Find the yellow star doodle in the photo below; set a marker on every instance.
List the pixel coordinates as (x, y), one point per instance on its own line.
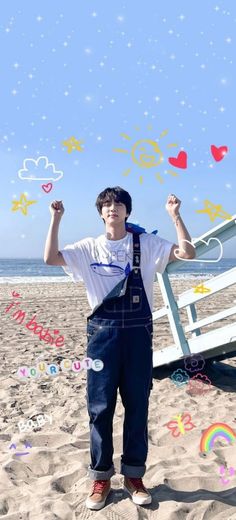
(22, 204)
(201, 289)
(73, 144)
(213, 211)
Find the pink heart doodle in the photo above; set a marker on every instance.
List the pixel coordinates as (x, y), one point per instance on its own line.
(47, 187)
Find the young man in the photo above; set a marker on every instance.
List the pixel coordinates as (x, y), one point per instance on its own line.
(118, 270)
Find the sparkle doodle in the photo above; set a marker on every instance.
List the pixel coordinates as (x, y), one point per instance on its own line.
(213, 211)
(201, 289)
(73, 144)
(22, 204)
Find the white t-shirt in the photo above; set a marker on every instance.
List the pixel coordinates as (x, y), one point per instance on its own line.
(101, 263)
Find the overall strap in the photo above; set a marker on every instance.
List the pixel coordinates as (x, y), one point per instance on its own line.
(136, 255)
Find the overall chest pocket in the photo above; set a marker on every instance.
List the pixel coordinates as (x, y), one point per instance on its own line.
(131, 301)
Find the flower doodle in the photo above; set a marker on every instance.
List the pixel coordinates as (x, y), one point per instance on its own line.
(194, 363)
(180, 377)
(199, 384)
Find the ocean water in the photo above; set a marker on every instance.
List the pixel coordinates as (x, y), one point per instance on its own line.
(25, 270)
(29, 270)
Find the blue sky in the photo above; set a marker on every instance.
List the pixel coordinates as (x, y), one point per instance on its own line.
(110, 74)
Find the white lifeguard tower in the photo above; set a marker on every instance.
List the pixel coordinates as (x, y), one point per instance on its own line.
(221, 340)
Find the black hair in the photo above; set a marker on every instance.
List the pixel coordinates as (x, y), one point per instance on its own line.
(118, 195)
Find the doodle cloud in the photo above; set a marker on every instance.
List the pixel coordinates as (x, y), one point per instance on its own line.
(212, 433)
(39, 169)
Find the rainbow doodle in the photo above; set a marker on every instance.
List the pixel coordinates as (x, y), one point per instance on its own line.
(214, 431)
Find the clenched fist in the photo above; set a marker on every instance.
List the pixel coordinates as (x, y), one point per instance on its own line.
(57, 208)
(173, 205)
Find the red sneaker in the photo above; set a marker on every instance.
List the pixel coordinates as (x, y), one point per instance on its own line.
(98, 495)
(138, 492)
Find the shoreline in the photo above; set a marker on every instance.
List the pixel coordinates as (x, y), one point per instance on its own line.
(66, 279)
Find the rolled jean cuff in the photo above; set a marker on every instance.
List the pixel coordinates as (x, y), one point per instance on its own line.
(101, 475)
(132, 471)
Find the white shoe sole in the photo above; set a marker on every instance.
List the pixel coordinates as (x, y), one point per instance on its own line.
(96, 506)
(139, 501)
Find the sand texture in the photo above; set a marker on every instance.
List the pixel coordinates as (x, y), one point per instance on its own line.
(51, 482)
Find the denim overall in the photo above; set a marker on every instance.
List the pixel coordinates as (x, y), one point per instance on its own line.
(120, 334)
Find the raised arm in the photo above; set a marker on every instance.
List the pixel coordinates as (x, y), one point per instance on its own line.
(51, 254)
(184, 249)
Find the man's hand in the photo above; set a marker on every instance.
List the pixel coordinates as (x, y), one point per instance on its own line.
(173, 205)
(57, 208)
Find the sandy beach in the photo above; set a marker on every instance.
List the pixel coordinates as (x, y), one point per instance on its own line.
(51, 481)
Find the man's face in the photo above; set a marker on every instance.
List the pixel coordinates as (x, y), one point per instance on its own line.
(114, 212)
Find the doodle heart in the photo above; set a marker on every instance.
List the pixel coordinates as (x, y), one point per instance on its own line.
(219, 152)
(180, 161)
(47, 187)
(207, 242)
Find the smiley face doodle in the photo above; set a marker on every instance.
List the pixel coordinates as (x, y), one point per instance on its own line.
(20, 454)
(145, 153)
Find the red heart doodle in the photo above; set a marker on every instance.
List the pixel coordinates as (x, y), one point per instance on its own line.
(219, 152)
(47, 187)
(56, 331)
(180, 161)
